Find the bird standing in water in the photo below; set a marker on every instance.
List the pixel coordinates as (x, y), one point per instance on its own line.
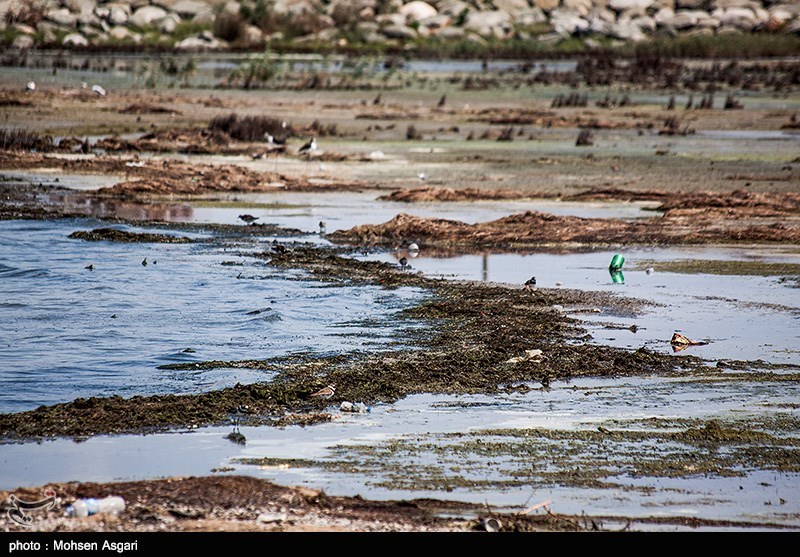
(248, 218)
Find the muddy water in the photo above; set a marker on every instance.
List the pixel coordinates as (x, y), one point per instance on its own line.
(73, 332)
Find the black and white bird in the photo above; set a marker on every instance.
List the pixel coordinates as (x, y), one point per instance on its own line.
(325, 392)
(322, 227)
(403, 262)
(308, 147)
(530, 284)
(248, 218)
(272, 140)
(30, 86)
(238, 413)
(144, 262)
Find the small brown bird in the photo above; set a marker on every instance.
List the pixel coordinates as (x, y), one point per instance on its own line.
(325, 393)
(248, 218)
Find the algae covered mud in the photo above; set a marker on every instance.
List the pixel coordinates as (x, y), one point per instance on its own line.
(177, 288)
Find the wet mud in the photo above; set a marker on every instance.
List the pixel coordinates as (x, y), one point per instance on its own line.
(240, 503)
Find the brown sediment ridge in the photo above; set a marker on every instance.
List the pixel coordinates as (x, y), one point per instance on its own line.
(740, 216)
(158, 178)
(777, 203)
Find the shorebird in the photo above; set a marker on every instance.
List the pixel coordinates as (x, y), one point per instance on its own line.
(324, 393)
(530, 284)
(422, 176)
(403, 262)
(30, 86)
(248, 218)
(99, 90)
(310, 145)
(144, 262)
(279, 248)
(272, 140)
(238, 413)
(413, 247)
(322, 227)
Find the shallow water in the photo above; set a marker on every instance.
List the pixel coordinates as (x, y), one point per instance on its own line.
(741, 317)
(60, 342)
(422, 423)
(72, 332)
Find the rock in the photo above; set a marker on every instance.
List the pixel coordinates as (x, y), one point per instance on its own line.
(233, 8)
(699, 33)
(627, 32)
(546, 5)
(664, 16)
(75, 39)
(23, 42)
(621, 5)
(708, 22)
(25, 29)
(780, 14)
(580, 7)
(453, 8)
(692, 4)
(451, 33)
(252, 36)
(436, 22)
(600, 26)
(531, 16)
(567, 23)
(118, 16)
(147, 16)
(345, 12)
(493, 23)
(725, 4)
(645, 23)
(62, 17)
(187, 9)
(82, 6)
(169, 23)
(512, 7)
(200, 43)
(204, 17)
(603, 14)
(739, 18)
(417, 10)
(686, 18)
(120, 33)
(391, 19)
(394, 31)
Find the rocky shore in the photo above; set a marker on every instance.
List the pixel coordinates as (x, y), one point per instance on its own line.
(380, 25)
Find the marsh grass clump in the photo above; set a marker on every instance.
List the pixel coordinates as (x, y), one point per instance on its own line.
(20, 139)
(247, 128)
